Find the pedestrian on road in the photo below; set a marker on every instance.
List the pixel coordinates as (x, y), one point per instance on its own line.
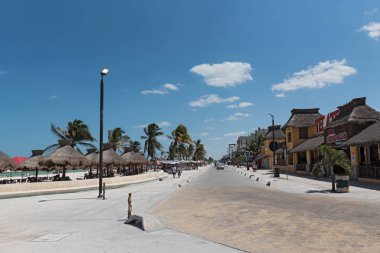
(179, 172)
(174, 171)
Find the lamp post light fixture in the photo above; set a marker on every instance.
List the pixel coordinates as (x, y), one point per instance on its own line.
(103, 73)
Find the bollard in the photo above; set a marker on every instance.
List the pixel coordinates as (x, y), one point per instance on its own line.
(129, 205)
(104, 191)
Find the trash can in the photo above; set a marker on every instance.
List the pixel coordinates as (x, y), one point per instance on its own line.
(276, 172)
(342, 183)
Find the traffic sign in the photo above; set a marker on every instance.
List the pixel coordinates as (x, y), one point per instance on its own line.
(247, 154)
(273, 146)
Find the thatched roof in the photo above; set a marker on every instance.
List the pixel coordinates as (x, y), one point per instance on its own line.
(370, 135)
(110, 157)
(32, 163)
(310, 144)
(356, 111)
(134, 158)
(93, 157)
(65, 156)
(6, 162)
(303, 117)
(278, 134)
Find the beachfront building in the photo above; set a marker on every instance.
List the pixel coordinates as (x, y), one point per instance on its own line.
(354, 130)
(243, 143)
(267, 154)
(301, 140)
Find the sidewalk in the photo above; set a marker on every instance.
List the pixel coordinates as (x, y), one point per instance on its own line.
(305, 185)
(79, 222)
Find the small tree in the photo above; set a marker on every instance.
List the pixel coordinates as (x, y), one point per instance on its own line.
(331, 157)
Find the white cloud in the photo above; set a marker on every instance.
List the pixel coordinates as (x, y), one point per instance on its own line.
(203, 134)
(373, 30)
(215, 139)
(280, 95)
(53, 97)
(319, 76)
(154, 91)
(211, 99)
(371, 12)
(164, 124)
(237, 116)
(241, 105)
(208, 120)
(161, 124)
(235, 134)
(170, 86)
(224, 74)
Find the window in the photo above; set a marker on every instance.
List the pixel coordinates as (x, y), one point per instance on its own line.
(303, 133)
(289, 137)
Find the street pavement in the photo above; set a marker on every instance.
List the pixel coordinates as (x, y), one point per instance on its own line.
(79, 222)
(228, 207)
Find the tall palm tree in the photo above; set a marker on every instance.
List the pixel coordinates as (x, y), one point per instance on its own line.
(117, 139)
(256, 144)
(178, 136)
(200, 152)
(152, 131)
(331, 157)
(190, 151)
(76, 131)
(135, 146)
(183, 152)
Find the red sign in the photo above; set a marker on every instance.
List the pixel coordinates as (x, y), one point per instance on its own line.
(332, 137)
(323, 121)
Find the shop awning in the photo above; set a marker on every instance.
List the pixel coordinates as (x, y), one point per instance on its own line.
(310, 144)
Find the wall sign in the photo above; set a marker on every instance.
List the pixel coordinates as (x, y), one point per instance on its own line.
(324, 121)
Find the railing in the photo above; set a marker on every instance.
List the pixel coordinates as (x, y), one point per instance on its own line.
(281, 162)
(301, 167)
(369, 171)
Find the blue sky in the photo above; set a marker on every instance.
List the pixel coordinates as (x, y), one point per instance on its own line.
(217, 66)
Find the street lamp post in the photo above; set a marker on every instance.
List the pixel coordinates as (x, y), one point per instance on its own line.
(275, 170)
(102, 74)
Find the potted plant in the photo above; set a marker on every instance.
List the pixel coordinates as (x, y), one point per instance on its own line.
(336, 163)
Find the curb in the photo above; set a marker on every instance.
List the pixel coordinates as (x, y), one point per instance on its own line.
(76, 189)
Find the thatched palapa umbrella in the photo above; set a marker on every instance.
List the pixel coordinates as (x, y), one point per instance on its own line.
(110, 157)
(32, 163)
(135, 159)
(6, 162)
(93, 157)
(65, 156)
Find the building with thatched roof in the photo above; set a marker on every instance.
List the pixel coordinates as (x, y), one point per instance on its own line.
(6, 163)
(299, 128)
(267, 154)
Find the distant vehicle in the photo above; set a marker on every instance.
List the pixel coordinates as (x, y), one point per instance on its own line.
(220, 166)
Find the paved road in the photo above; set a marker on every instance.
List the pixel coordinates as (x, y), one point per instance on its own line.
(79, 222)
(231, 209)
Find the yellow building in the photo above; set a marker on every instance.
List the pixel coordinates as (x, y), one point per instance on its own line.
(299, 128)
(279, 137)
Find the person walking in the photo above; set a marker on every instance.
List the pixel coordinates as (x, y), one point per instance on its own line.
(174, 169)
(179, 172)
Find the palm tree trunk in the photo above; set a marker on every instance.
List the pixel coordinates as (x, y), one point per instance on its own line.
(64, 172)
(36, 174)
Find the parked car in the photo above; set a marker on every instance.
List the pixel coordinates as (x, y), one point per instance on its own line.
(220, 166)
